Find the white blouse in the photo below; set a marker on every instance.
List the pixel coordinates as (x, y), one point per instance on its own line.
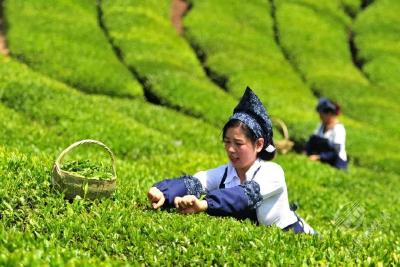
(336, 135)
(274, 209)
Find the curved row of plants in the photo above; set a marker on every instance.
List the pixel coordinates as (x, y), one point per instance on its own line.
(326, 63)
(167, 64)
(378, 36)
(239, 43)
(63, 40)
(73, 115)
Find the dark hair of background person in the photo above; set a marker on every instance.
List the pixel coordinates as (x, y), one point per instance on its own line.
(328, 106)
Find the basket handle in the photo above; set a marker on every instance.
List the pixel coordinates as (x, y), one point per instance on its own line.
(86, 141)
(283, 127)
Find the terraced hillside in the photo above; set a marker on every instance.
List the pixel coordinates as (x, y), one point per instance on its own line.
(65, 42)
(118, 71)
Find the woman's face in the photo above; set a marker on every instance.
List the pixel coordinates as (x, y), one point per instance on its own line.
(240, 150)
(326, 118)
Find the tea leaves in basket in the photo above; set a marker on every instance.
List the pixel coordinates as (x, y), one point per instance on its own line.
(88, 169)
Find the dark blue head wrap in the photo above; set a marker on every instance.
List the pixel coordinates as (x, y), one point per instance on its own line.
(251, 112)
(325, 105)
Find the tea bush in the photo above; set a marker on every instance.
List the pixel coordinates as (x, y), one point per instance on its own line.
(64, 41)
(238, 42)
(321, 51)
(167, 64)
(377, 34)
(75, 116)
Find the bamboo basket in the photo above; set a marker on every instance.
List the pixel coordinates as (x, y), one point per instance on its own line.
(72, 184)
(285, 145)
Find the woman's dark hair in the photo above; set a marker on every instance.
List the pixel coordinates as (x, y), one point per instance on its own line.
(263, 154)
(326, 105)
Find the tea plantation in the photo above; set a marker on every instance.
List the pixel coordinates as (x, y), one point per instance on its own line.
(118, 71)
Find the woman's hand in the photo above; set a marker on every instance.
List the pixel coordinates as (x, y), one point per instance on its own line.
(314, 157)
(190, 204)
(156, 197)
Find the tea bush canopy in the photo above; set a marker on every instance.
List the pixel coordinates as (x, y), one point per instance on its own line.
(377, 36)
(64, 41)
(118, 72)
(239, 41)
(321, 52)
(165, 62)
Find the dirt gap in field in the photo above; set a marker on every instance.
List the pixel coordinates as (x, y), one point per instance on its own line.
(179, 8)
(358, 62)
(366, 3)
(3, 43)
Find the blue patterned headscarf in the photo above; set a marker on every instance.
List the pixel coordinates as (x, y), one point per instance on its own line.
(251, 112)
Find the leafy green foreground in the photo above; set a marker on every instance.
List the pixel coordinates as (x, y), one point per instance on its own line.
(39, 227)
(355, 212)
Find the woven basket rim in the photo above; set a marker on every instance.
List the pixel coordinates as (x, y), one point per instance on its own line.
(283, 128)
(59, 171)
(85, 177)
(60, 158)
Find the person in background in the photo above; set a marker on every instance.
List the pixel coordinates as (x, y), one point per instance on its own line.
(250, 186)
(327, 144)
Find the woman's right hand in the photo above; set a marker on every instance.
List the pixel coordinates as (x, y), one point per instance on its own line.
(190, 204)
(156, 197)
(314, 157)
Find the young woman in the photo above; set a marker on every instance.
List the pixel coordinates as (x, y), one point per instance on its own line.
(327, 144)
(248, 187)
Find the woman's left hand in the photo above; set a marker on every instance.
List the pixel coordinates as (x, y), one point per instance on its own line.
(314, 157)
(190, 204)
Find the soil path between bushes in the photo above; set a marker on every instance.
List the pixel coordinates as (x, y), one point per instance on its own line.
(3, 44)
(178, 10)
